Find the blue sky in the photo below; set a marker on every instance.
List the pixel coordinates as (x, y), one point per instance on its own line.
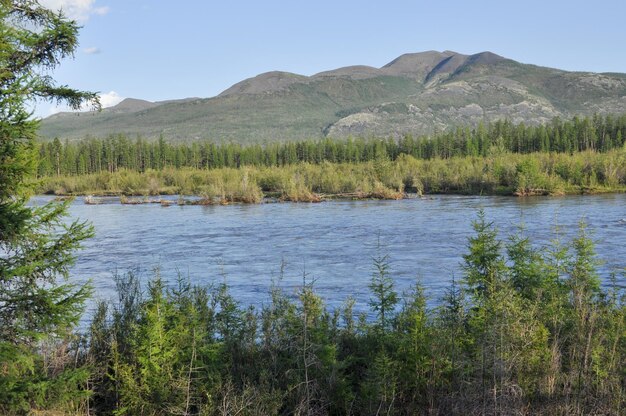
(159, 50)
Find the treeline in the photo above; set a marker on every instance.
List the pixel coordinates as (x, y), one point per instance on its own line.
(527, 331)
(597, 133)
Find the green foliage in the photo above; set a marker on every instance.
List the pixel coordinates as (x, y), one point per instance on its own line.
(119, 152)
(535, 335)
(36, 245)
(384, 298)
(527, 269)
(484, 264)
(557, 174)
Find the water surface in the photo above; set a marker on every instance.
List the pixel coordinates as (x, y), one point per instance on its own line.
(332, 242)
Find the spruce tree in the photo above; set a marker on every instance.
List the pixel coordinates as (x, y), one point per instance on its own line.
(484, 265)
(384, 298)
(36, 246)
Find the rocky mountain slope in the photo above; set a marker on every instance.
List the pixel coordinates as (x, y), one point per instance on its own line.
(415, 93)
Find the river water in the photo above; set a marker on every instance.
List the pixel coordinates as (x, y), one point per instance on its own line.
(332, 242)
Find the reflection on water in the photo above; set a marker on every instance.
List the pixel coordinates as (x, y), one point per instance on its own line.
(332, 242)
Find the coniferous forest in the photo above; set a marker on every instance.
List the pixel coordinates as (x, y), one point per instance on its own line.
(526, 330)
(578, 156)
(119, 152)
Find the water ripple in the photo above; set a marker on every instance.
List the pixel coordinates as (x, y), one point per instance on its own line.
(332, 243)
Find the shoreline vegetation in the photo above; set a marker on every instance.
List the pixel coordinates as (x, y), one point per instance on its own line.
(556, 174)
(528, 330)
(577, 156)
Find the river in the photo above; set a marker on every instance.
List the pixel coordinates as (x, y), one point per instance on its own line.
(332, 242)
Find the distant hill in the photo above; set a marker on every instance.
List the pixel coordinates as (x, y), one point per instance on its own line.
(415, 93)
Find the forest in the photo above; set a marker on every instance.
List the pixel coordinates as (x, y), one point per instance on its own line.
(578, 156)
(118, 152)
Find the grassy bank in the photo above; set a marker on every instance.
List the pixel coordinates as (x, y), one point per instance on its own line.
(498, 174)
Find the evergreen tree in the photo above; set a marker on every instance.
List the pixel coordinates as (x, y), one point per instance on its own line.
(385, 297)
(36, 247)
(484, 264)
(526, 270)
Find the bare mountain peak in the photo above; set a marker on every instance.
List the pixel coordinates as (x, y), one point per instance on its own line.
(431, 59)
(419, 58)
(425, 67)
(354, 71)
(265, 82)
(129, 105)
(485, 58)
(418, 65)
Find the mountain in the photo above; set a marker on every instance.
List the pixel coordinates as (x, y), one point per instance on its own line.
(415, 93)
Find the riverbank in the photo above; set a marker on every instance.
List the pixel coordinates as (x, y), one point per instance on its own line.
(525, 309)
(501, 174)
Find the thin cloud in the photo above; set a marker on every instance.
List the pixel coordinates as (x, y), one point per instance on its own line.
(92, 50)
(101, 11)
(79, 10)
(108, 99)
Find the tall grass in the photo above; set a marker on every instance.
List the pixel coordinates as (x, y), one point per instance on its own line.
(504, 173)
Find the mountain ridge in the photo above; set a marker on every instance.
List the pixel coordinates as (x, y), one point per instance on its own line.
(415, 93)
